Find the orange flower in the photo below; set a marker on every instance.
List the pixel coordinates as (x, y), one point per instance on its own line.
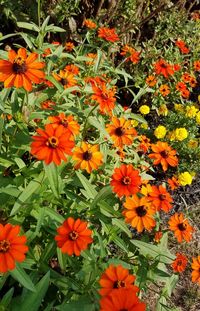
(164, 155)
(197, 65)
(21, 70)
(73, 236)
(193, 82)
(122, 300)
(52, 144)
(93, 56)
(185, 93)
(180, 263)
(131, 54)
(104, 97)
(108, 34)
(158, 235)
(182, 46)
(47, 104)
(163, 68)
(67, 121)
(160, 198)
(181, 86)
(66, 78)
(186, 77)
(164, 89)
(125, 180)
(151, 80)
(181, 227)
(139, 213)
(114, 278)
(12, 247)
(72, 68)
(69, 46)
(87, 157)
(89, 24)
(144, 143)
(173, 183)
(196, 270)
(121, 131)
(46, 52)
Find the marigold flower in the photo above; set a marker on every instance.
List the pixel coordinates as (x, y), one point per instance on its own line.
(160, 198)
(52, 144)
(173, 183)
(115, 278)
(163, 110)
(67, 121)
(131, 54)
(125, 180)
(122, 299)
(21, 70)
(182, 46)
(181, 227)
(12, 247)
(89, 24)
(181, 133)
(197, 65)
(69, 46)
(161, 67)
(151, 80)
(193, 143)
(144, 109)
(163, 154)
(121, 131)
(191, 111)
(138, 212)
(196, 270)
(164, 90)
(185, 178)
(87, 157)
(73, 236)
(160, 131)
(104, 97)
(108, 34)
(180, 263)
(66, 78)
(198, 118)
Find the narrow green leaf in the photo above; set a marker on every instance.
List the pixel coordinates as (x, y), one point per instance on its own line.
(5, 301)
(91, 192)
(29, 26)
(20, 275)
(101, 195)
(121, 224)
(51, 172)
(119, 242)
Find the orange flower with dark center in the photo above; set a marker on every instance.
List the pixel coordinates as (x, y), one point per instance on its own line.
(181, 227)
(161, 67)
(69, 46)
(121, 131)
(185, 93)
(21, 70)
(180, 263)
(93, 56)
(104, 97)
(163, 154)
(131, 54)
(66, 78)
(122, 299)
(108, 34)
(186, 77)
(182, 46)
(72, 68)
(181, 86)
(164, 89)
(196, 270)
(139, 213)
(151, 81)
(87, 157)
(125, 180)
(144, 143)
(160, 198)
(12, 247)
(193, 82)
(47, 104)
(197, 65)
(89, 24)
(73, 236)
(115, 278)
(52, 144)
(173, 183)
(67, 121)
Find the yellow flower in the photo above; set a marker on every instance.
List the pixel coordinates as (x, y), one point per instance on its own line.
(134, 123)
(171, 136)
(144, 126)
(198, 117)
(181, 133)
(185, 179)
(179, 107)
(160, 131)
(191, 111)
(144, 109)
(163, 110)
(193, 143)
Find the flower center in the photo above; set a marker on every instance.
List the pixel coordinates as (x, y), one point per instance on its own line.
(164, 66)
(19, 65)
(118, 284)
(73, 236)
(119, 131)
(64, 122)
(164, 154)
(141, 211)
(182, 226)
(162, 197)
(126, 180)
(179, 263)
(63, 81)
(87, 156)
(52, 142)
(123, 310)
(4, 246)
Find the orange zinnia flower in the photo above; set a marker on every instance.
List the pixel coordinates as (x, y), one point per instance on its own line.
(196, 270)
(139, 213)
(104, 97)
(12, 247)
(116, 277)
(122, 300)
(69, 46)
(181, 86)
(93, 56)
(131, 54)
(185, 93)
(87, 157)
(164, 155)
(160, 198)
(72, 68)
(52, 144)
(186, 77)
(73, 236)
(193, 82)
(67, 121)
(125, 180)
(181, 227)
(164, 89)
(182, 46)
(158, 235)
(197, 65)
(163, 68)
(151, 80)
(89, 24)
(66, 78)
(47, 104)
(121, 131)
(173, 183)
(180, 263)
(21, 70)
(108, 34)
(144, 143)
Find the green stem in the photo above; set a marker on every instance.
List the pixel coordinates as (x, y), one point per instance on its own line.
(85, 124)
(39, 11)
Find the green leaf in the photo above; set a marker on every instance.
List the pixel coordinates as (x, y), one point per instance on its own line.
(101, 195)
(98, 60)
(107, 210)
(13, 191)
(170, 285)
(27, 40)
(55, 82)
(54, 215)
(20, 275)
(89, 188)
(121, 224)
(119, 242)
(29, 26)
(5, 301)
(61, 259)
(51, 172)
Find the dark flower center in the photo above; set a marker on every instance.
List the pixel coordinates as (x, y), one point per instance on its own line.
(126, 180)
(119, 131)
(123, 310)
(162, 197)
(4, 246)
(52, 142)
(19, 65)
(141, 211)
(118, 284)
(182, 226)
(164, 66)
(87, 156)
(73, 235)
(164, 154)
(179, 263)
(64, 122)
(63, 81)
